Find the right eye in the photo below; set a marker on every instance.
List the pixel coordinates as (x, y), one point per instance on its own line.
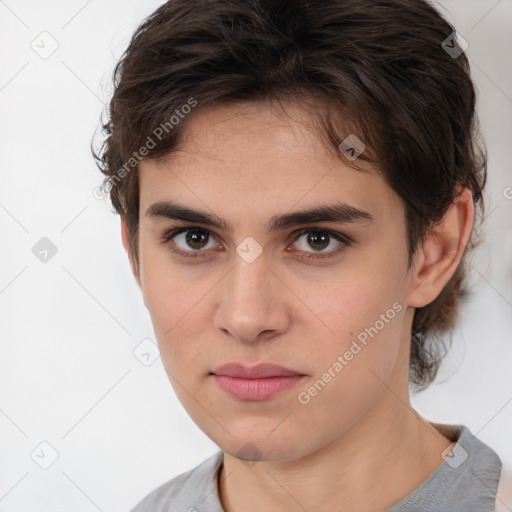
(184, 239)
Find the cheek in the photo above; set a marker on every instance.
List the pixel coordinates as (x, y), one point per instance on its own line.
(352, 365)
(359, 315)
(347, 302)
(168, 294)
(166, 290)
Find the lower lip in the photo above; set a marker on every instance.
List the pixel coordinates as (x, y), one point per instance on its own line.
(255, 389)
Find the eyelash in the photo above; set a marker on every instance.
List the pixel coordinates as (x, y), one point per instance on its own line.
(345, 241)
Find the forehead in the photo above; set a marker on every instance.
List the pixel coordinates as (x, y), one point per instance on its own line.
(257, 157)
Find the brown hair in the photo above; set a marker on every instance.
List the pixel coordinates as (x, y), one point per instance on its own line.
(382, 64)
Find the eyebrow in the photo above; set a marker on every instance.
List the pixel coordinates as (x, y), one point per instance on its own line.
(338, 212)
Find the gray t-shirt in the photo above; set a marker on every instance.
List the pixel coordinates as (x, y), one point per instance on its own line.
(466, 481)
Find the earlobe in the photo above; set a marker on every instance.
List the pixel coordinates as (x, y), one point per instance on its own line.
(125, 236)
(443, 248)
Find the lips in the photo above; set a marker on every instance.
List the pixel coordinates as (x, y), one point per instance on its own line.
(251, 383)
(260, 371)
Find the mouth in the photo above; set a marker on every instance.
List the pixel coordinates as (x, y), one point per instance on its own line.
(259, 382)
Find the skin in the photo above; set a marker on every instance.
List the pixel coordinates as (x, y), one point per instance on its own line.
(357, 444)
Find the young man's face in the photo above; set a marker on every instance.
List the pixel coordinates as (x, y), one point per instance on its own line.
(346, 304)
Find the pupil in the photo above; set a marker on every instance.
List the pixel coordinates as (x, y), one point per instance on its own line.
(313, 239)
(196, 237)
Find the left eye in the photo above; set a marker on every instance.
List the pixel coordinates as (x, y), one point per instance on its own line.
(198, 239)
(318, 240)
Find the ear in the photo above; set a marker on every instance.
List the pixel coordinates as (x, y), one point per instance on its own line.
(125, 235)
(436, 262)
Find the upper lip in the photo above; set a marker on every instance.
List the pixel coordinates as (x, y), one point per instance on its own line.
(259, 371)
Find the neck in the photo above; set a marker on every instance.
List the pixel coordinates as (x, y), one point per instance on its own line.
(367, 468)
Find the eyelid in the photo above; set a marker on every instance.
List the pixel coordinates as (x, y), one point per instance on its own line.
(344, 240)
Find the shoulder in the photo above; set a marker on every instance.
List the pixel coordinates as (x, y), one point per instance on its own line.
(190, 491)
(473, 471)
(466, 481)
(487, 473)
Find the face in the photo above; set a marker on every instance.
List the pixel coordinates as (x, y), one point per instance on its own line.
(326, 298)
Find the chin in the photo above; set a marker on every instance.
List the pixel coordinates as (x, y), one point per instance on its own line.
(262, 447)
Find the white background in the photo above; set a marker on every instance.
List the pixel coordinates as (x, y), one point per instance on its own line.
(69, 326)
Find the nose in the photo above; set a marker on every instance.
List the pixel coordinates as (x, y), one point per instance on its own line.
(253, 302)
